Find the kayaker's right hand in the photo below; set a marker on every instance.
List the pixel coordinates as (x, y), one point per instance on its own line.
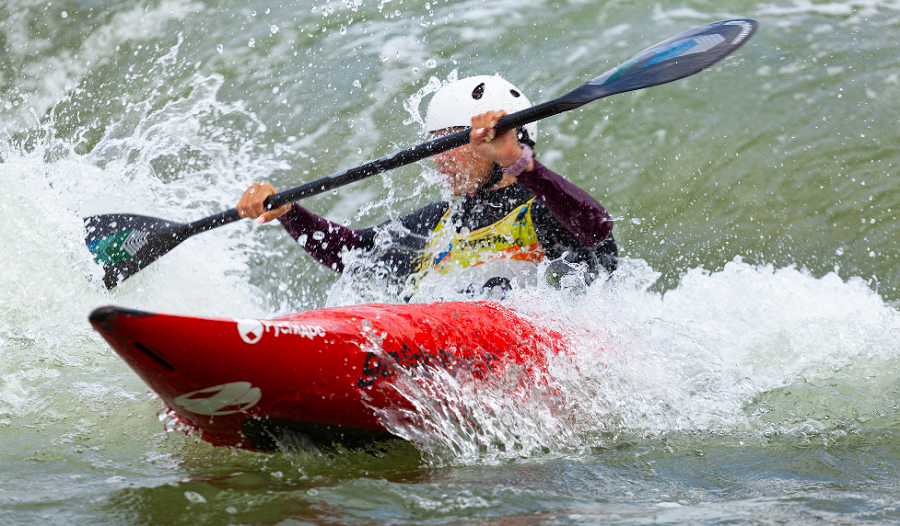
(251, 203)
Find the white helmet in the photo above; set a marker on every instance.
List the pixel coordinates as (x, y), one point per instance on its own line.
(456, 103)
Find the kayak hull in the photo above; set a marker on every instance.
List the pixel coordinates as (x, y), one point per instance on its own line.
(317, 376)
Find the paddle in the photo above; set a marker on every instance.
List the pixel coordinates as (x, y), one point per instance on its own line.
(126, 243)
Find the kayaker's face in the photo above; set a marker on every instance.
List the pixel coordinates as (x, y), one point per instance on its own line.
(464, 170)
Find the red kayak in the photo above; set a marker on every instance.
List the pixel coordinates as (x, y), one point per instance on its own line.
(315, 376)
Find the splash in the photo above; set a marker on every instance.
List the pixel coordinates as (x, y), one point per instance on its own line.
(457, 418)
(189, 154)
(411, 104)
(734, 351)
(169, 157)
(49, 66)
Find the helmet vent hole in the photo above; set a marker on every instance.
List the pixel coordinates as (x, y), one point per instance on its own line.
(478, 92)
(515, 93)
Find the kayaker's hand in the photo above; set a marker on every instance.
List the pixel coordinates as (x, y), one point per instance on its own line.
(502, 149)
(252, 203)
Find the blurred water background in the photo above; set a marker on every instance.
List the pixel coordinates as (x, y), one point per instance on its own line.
(741, 368)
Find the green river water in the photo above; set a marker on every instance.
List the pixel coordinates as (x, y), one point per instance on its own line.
(743, 363)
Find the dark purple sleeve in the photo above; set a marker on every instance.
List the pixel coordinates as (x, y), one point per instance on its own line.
(575, 209)
(300, 222)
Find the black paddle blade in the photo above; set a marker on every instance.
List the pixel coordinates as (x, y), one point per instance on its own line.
(125, 243)
(680, 56)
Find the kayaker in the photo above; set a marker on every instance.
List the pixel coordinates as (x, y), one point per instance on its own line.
(512, 213)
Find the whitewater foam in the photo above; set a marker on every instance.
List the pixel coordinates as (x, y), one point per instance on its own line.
(714, 354)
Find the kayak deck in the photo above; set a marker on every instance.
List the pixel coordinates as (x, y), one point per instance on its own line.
(315, 377)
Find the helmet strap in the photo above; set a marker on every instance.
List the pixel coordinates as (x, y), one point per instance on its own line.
(493, 180)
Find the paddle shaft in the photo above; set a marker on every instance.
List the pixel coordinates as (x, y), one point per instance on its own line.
(126, 243)
(658, 64)
(385, 164)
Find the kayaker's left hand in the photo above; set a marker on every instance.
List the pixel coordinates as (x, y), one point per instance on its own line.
(502, 149)
(252, 203)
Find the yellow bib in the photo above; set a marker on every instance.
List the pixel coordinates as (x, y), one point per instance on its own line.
(513, 237)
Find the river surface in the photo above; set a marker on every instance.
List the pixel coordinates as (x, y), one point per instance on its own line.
(741, 367)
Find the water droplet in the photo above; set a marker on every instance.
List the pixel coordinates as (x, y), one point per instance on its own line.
(251, 42)
(274, 29)
(194, 497)
(343, 30)
(220, 48)
(431, 63)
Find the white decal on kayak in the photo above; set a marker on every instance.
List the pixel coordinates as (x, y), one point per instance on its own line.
(252, 331)
(221, 400)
